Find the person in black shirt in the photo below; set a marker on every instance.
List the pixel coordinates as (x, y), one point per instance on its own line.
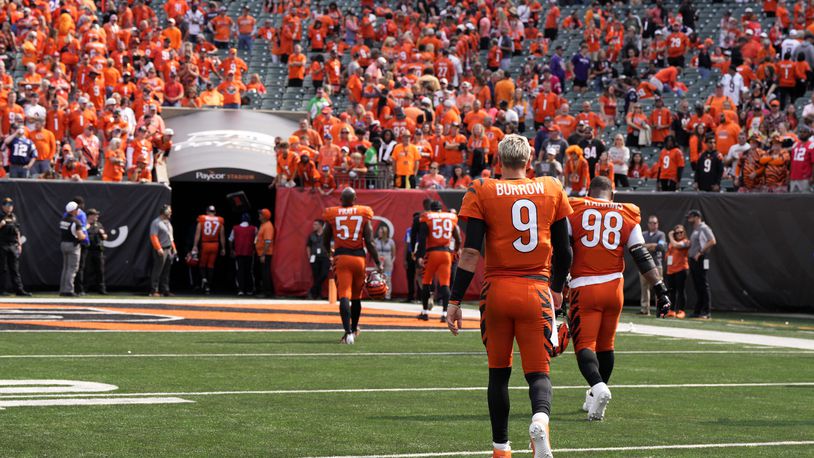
(412, 245)
(11, 247)
(592, 147)
(318, 258)
(95, 259)
(709, 168)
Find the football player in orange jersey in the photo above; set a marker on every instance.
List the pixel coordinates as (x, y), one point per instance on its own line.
(434, 254)
(600, 231)
(210, 233)
(524, 223)
(348, 228)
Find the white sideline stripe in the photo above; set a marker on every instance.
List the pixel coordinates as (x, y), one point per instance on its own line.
(411, 390)
(598, 449)
(385, 354)
(717, 336)
(90, 402)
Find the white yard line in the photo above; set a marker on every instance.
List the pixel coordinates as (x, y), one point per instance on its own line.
(390, 354)
(717, 336)
(409, 390)
(597, 449)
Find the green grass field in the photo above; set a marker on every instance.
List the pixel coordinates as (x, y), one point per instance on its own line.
(307, 423)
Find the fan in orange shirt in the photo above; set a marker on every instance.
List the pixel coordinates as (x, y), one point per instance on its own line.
(296, 67)
(601, 231)
(348, 227)
(670, 166)
(232, 89)
(222, 25)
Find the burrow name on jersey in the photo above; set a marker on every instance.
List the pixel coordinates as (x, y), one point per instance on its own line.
(510, 189)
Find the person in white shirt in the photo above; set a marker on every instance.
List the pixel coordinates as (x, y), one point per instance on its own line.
(789, 45)
(195, 20)
(735, 153)
(808, 110)
(733, 84)
(619, 155)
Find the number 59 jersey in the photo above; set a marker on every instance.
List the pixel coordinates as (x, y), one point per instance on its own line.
(600, 231)
(518, 215)
(347, 226)
(440, 226)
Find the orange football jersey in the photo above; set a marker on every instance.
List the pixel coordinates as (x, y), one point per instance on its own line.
(600, 230)
(348, 225)
(210, 228)
(441, 225)
(518, 216)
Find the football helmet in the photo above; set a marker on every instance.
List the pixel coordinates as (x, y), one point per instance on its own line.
(376, 285)
(191, 259)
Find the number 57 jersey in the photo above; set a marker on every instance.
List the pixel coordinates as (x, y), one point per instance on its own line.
(518, 215)
(348, 226)
(600, 231)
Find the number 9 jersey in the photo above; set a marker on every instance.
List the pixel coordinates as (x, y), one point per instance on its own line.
(518, 215)
(600, 231)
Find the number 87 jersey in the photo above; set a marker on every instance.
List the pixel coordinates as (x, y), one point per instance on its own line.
(600, 230)
(518, 215)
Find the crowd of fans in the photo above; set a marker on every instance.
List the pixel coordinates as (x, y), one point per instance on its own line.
(429, 92)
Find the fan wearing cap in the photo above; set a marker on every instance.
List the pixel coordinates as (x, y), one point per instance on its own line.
(11, 248)
(246, 28)
(71, 235)
(232, 89)
(210, 236)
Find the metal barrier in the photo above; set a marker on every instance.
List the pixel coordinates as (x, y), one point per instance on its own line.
(382, 178)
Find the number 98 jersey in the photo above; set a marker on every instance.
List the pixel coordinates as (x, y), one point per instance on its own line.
(347, 226)
(518, 215)
(600, 231)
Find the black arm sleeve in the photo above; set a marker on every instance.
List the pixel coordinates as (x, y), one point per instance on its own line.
(475, 230)
(561, 255)
(644, 261)
(680, 172)
(423, 232)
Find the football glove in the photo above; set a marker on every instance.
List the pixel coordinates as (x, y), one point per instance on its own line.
(662, 299)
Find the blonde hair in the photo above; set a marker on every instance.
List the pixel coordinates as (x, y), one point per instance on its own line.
(514, 151)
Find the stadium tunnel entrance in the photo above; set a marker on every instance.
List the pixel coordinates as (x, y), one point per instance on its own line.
(224, 158)
(231, 200)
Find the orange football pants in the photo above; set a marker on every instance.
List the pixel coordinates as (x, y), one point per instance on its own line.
(594, 315)
(208, 255)
(350, 276)
(437, 263)
(517, 308)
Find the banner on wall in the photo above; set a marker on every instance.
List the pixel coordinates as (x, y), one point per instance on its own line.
(126, 213)
(764, 258)
(296, 210)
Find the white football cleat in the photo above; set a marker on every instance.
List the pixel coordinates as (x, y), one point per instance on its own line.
(586, 406)
(538, 432)
(602, 397)
(350, 338)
